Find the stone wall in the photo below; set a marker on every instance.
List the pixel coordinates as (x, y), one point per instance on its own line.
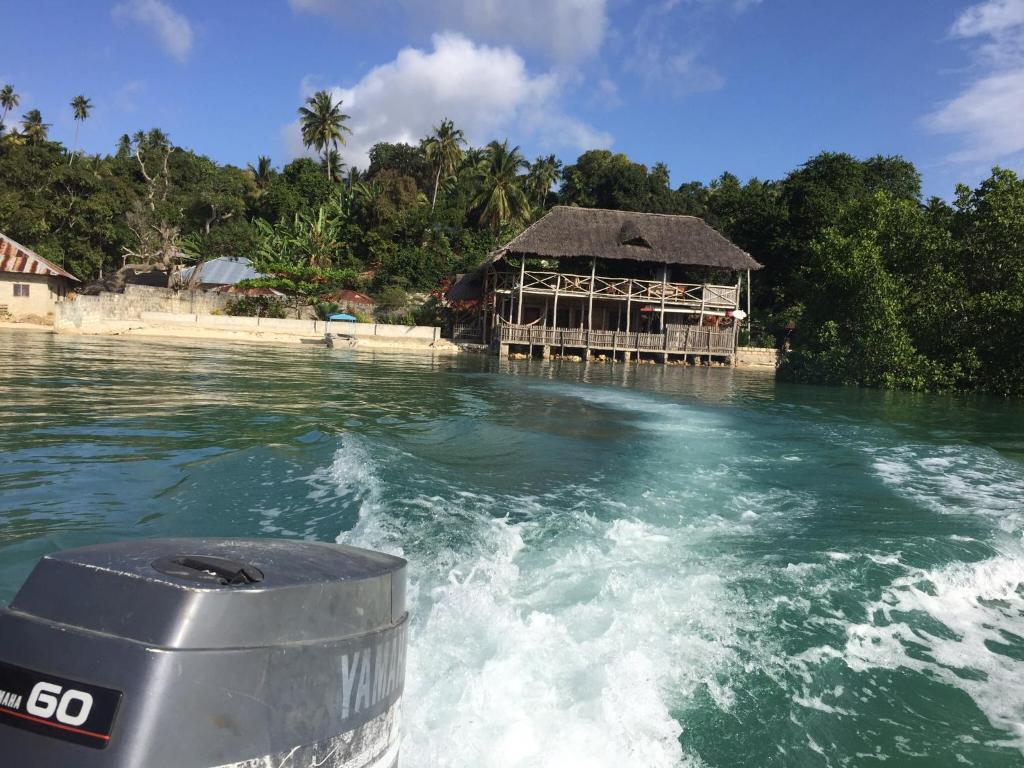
(757, 357)
(136, 299)
(305, 328)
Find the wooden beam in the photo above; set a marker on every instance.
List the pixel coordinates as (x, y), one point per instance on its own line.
(749, 310)
(522, 280)
(590, 305)
(554, 320)
(629, 303)
(664, 290)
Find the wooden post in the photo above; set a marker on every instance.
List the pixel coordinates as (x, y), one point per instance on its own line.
(483, 318)
(664, 331)
(522, 279)
(629, 303)
(664, 290)
(554, 312)
(749, 310)
(590, 303)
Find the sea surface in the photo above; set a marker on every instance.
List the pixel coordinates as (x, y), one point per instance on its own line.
(610, 565)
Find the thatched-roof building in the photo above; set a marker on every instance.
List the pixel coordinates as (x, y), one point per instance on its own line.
(588, 280)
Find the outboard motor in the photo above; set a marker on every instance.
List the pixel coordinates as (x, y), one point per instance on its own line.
(204, 653)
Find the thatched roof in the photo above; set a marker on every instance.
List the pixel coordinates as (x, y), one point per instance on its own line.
(566, 232)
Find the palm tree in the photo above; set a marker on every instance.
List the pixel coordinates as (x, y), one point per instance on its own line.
(323, 125)
(500, 197)
(262, 172)
(124, 145)
(544, 174)
(444, 151)
(33, 127)
(8, 100)
(332, 162)
(81, 106)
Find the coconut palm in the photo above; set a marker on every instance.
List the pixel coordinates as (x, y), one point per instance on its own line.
(262, 172)
(8, 100)
(124, 145)
(33, 127)
(500, 198)
(81, 107)
(323, 125)
(544, 174)
(332, 162)
(444, 152)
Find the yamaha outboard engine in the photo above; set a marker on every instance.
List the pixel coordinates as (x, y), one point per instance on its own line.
(204, 653)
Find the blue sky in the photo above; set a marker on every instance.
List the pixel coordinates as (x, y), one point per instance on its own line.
(754, 87)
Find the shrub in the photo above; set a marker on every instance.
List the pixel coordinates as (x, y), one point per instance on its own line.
(392, 298)
(256, 306)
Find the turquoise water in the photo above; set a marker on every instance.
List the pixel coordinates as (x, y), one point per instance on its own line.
(610, 566)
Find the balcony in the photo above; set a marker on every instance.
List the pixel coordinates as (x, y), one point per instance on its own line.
(693, 296)
(677, 340)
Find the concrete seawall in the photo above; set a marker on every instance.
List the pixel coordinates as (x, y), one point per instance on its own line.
(757, 357)
(142, 311)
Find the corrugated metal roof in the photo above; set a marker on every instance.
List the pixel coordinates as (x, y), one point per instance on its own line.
(14, 257)
(226, 270)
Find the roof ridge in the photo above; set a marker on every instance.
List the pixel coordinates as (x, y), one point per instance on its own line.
(59, 271)
(631, 213)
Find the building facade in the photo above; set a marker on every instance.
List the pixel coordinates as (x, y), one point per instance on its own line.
(613, 284)
(30, 286)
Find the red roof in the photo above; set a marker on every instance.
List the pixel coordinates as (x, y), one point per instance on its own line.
(353, 297)
(15, 257)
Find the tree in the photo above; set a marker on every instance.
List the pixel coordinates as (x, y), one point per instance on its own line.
(544, 173)
(33, 127)
(323, 125)
(602, 179)
(124, 146)
(262, 173)
(500, 199)
(299, 258)
(403, 159)
(332, 164)
(8, 100)
(81, 106)
(444, 152)
(154, 220)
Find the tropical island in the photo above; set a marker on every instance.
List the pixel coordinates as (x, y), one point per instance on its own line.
(864, 282)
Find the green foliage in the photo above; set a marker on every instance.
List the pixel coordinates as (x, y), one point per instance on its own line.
(500, 198)
(884, 289)
(323, 127)
(256, 306)
(392, 297)
(301, 258)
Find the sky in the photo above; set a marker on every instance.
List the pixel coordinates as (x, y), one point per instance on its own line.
(753, 87)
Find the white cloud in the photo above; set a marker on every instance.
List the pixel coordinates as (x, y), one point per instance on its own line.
(987, 114)
(668, 42)
(487, 91)
(989, 18)
(171, 28)
(564, 30)
(125, 98)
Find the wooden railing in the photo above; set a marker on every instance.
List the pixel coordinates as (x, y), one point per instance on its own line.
(677, 339)
(694, 295)
(468, 332)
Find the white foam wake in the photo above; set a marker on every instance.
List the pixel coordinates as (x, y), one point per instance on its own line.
(956, 625)
(559, 639)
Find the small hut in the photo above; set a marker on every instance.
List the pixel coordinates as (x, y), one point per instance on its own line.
(617, 284)
(30, 286)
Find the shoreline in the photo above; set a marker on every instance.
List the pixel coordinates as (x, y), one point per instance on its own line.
(141, 329)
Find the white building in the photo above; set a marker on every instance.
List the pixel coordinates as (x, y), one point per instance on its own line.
(30, 286)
